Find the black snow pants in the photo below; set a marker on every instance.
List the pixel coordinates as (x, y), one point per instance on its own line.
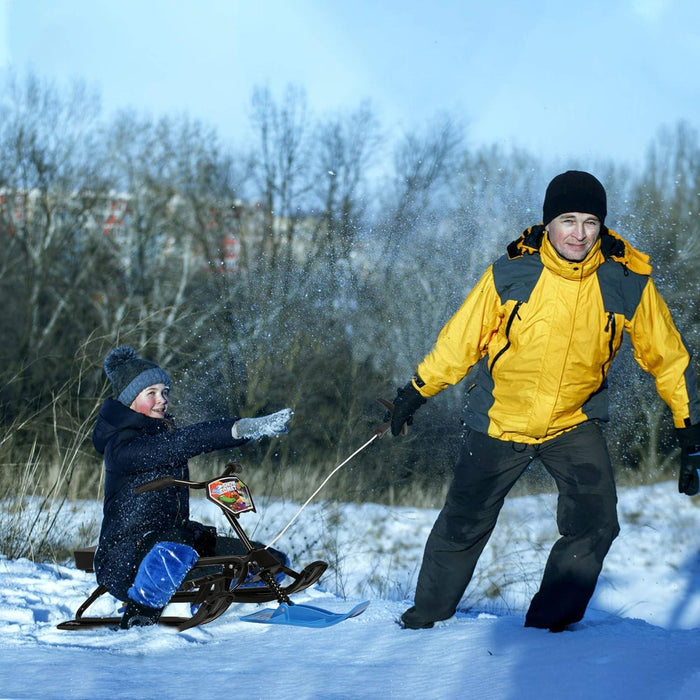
(487, 469)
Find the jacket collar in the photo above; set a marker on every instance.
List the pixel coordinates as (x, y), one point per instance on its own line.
(114, 418)
(571, 270)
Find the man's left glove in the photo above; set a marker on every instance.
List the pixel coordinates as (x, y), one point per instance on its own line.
(408, 400)
(688, 478)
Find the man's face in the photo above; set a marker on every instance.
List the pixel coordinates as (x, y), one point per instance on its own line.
(573, 234)
(152, 401)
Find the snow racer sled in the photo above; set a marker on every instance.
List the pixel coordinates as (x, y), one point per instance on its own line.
(214, 583)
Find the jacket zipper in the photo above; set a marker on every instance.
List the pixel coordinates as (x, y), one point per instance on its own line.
(511, 318)
(609, 327)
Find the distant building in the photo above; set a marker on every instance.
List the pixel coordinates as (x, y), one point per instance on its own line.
(219, 233)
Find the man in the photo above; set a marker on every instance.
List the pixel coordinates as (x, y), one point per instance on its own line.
(535, 339)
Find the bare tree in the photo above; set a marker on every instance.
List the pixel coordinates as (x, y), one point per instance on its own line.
(48, 178)
(423, 164)
(281, 165)
(346, 150)
(174, 183)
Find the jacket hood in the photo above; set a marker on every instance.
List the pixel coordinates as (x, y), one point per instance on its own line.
(114, 417)
(618, 249)
(612, 247)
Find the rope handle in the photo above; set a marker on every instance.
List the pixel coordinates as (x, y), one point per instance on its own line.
(379, 432)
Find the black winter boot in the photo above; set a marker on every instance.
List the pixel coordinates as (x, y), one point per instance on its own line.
(557, 627)
(137, 615)
(411, 620)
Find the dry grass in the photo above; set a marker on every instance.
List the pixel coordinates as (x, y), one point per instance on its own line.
(37, 481)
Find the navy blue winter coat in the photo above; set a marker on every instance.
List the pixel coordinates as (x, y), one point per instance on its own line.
(137, 449)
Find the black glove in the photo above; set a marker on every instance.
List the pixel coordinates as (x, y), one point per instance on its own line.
(204, 538)
(688, 480)
(406, 403)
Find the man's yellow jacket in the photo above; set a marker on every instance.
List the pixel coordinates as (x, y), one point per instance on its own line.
(537, 334)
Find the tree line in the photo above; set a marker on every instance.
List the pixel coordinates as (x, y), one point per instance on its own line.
(310, 266)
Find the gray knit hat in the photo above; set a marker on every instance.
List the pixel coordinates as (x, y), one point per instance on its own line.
(131, 374)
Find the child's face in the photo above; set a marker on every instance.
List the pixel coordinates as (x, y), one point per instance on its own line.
(152, 401)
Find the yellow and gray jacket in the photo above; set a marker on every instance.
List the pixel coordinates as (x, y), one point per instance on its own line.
(538, 333)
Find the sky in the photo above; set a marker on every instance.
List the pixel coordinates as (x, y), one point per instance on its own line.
(595, 79)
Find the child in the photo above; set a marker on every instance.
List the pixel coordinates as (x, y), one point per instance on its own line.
(147, 542)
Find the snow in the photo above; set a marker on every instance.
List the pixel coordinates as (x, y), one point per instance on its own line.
(640, 637)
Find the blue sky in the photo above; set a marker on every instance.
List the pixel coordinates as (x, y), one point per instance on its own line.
(593, 79)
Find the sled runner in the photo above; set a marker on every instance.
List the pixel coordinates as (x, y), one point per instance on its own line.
(215, 583)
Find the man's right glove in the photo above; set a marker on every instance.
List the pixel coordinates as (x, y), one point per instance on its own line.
(688, 479)
(408, 400)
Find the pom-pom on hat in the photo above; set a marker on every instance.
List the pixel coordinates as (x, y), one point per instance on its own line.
(131, 374)
(574, 190)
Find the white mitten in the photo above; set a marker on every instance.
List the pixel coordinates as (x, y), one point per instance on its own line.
(271, 425)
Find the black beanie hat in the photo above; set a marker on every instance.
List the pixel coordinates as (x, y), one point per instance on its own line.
(574, 190)
(131, 374)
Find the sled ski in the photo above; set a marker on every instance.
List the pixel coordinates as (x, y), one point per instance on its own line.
(303, 615)
(223, 580)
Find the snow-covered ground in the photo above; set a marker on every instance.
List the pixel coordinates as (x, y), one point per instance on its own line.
(640, 638)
